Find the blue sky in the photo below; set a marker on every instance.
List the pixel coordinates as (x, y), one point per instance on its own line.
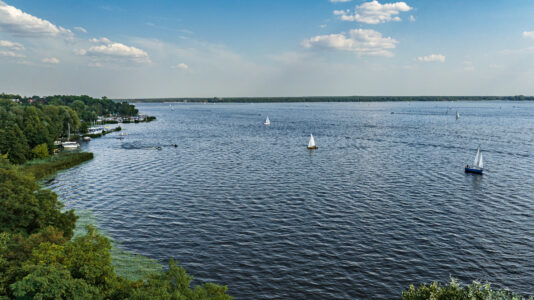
(266, 48)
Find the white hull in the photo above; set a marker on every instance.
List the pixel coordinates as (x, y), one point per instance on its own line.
(70, 145)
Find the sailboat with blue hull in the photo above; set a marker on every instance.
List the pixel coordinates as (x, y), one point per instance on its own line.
(478, 164)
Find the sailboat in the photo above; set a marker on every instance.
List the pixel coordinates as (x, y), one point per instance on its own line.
(69, 144)
(478, 164)
(267, 121)
(172, 108)
(311, 143)
(457, 115)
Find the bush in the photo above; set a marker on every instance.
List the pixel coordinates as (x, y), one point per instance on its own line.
(454, 290)
(40, 151)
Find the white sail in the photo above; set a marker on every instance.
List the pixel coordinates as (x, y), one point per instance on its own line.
(475, 162)
(311, 143)
(480, 162)
(267, 121)
(457, 115)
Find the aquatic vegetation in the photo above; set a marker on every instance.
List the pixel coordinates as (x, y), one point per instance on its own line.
(126, 263)
(40, 168)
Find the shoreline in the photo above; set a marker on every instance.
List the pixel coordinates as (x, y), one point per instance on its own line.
(128, 264)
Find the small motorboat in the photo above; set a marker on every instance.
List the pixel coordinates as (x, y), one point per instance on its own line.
(478, 164)
(87, 139)
(311, 143)
(70, 145)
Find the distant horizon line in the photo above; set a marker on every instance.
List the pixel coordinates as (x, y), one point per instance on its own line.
(327, 99)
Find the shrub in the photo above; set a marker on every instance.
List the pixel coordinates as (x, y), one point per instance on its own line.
(40, 151)
(454, 290)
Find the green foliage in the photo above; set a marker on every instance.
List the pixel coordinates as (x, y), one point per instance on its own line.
(13, 143)
(40, 151)
(27, 209)
(52, 282)
(175, 284)
(474, 291)
(126, 109)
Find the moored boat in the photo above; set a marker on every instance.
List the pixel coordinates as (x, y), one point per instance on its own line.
(70, 145)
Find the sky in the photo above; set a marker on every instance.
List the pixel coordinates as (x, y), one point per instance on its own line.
(240, 48)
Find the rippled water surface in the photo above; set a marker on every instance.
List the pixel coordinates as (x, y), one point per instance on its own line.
(382, 203)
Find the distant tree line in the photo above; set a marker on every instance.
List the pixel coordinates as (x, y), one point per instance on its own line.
(30, 125)
(333, 99)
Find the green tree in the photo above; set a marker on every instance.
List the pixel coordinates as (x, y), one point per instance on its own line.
(52, 282)
(175, 284)
(40, 151)
(16, 251)
(13, 143)
(27, 209)
(35, 131)
(78, 106)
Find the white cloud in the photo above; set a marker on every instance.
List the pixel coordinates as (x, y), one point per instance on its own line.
(374, 13)
(50, 60)
(359, 41)
(181, 66)
(101, 40)
(80, 29)
(432, 58)
(11, 45)
(339, 1)
(322, 26)
(340, 12)
(109, 49)
(11, 54)
(412, 18)
(528, 34)
(17, 22)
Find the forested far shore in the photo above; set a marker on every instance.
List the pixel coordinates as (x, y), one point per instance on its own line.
(30, 125)
(330, 99)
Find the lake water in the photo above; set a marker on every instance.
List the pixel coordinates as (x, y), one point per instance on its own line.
(384, 201)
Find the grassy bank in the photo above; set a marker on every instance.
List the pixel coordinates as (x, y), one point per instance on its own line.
(41, 168)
